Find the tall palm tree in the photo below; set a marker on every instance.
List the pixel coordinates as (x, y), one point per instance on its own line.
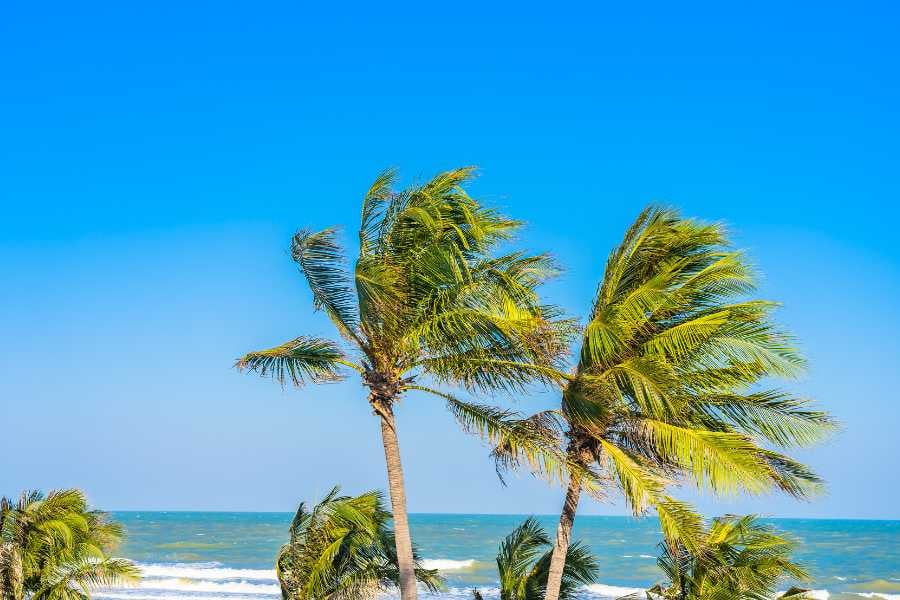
(737, 558)
(343, 549)
(524, 564)
(428, 296)
(54, 548)
(670, 382)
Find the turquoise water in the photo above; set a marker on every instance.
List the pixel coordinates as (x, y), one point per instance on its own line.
(228, 556)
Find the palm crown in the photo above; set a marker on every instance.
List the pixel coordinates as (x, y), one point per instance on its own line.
(429, 296)
(670, 374)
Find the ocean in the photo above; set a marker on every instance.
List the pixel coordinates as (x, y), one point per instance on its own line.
(229, 556)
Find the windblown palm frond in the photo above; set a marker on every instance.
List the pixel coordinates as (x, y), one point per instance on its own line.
(55, 548)
(737, 558)
(342, 549)
(321, 259)
(68, 580)
(302, 358)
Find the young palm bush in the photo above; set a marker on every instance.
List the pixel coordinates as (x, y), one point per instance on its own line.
(343, 549)
(737, 558)
(54, 548)
(524, 564)
(670, 382)
(428, 296)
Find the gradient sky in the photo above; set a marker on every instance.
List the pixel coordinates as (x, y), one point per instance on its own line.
(154, 161)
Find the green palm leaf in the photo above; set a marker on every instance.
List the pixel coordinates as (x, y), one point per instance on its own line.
(299, 360)
(321, 259)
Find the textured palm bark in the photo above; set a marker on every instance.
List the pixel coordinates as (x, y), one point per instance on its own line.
(11, 584)
(398, 501)
(563, 538)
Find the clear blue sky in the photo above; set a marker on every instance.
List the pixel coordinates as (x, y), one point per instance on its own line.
(154, 161)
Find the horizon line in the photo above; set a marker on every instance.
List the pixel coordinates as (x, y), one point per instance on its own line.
(466, 514)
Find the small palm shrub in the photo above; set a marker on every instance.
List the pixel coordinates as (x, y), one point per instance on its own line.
(524, 565)
(343, 549)
(54, 548)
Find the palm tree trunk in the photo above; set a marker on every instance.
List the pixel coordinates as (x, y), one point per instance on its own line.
(563, 537)
(398, 501)
(5, 578)
(11, 584)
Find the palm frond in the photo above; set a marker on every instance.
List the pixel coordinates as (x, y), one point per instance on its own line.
(721, 461)
(775, 415)
(639, 483)
(373, 206)
(543, 425)
(535, 445)
(791, 476)
(86, 572)
(517, 553)
(580, 569)
(679, 521)
(301, 359)
(321, 259)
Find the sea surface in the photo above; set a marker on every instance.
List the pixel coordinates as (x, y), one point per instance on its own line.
(229, 556)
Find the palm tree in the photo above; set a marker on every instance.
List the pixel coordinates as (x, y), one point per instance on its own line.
(343, 549)
(54, 548)
(667, 386)
(524, 564)
(737, 558)
(428, 296)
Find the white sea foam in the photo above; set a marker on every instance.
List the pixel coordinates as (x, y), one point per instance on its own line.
(202, 571)
(611, 591)
(143, 595)
(202, 585)
(214, 581)
(465, 592)
(446, 564)
(597, 591)
(879, 595)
